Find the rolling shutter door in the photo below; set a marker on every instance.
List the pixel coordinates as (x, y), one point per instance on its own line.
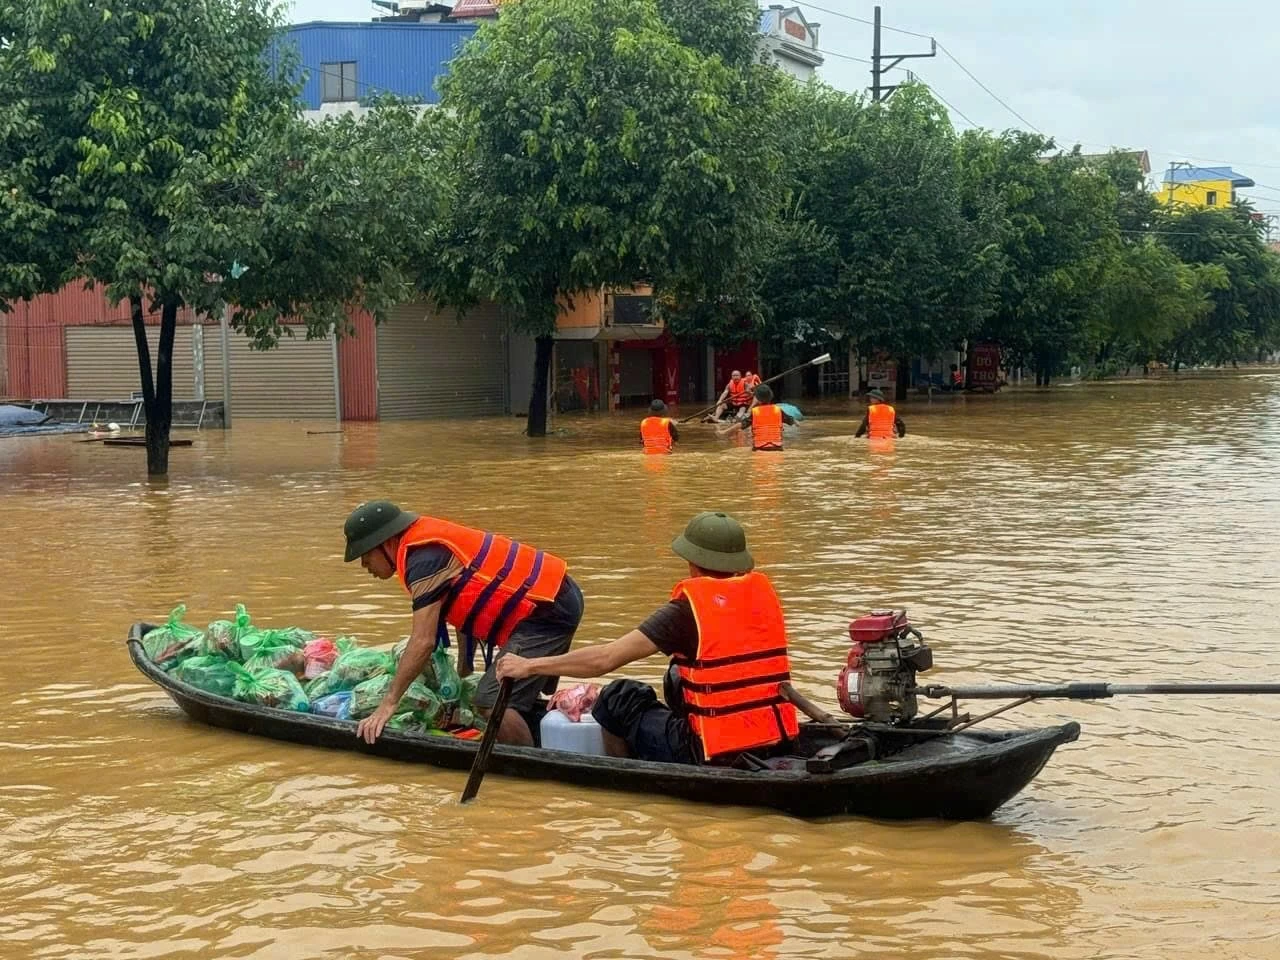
(102, 363)
(293, 380)
(429, 365)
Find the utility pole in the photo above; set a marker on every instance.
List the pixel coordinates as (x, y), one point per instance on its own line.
(879, 91)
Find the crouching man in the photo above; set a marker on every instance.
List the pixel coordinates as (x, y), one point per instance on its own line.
(492, 590)
(724, 632)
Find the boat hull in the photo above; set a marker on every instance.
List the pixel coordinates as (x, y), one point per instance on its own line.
(965, 776)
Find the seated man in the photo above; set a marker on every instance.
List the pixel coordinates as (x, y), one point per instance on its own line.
(765, 422)
(724, 631)
(491, 589)
(735, 398)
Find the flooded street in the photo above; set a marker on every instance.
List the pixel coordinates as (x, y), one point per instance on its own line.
(1123, 532)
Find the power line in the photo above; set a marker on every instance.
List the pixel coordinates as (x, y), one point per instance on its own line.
(846, 16)
(990, 92)
(842, 56)
(945, 102)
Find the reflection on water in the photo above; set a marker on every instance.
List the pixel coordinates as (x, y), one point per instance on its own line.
(1117, 531)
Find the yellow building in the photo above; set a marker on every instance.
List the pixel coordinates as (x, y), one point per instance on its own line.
(1201, 186)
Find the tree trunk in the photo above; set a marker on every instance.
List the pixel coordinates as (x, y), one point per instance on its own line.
(536, 425)
(157, 392)
(900, 388)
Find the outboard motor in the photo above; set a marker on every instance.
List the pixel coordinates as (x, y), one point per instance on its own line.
(878, 682)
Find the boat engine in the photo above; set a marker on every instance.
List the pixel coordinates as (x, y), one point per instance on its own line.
(878, 682)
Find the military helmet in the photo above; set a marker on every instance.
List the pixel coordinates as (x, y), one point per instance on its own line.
(372, 524)
(714, 541)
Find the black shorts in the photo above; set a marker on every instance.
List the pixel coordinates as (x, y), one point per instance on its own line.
(545, 633)
(631, 710)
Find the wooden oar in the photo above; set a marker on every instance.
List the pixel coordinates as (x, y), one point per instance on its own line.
(815, 362)
(487, 741)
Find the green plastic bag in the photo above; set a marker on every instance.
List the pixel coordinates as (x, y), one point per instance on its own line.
(222, 638)
(211, 674)
(407, 722)
(175, 641)
(448, 683)
(428, 670)
(259, 641)
(276, 651)
(419, 699)
(467, 695)
(358, 665)
(295, 635)
(269, 688)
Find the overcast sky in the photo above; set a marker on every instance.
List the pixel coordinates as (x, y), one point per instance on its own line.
(1193, 81)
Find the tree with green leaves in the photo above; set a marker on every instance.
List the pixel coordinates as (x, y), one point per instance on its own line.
(151, 146)
(1242, 277)
(596, 149)
(1058, 231)
(878, 246)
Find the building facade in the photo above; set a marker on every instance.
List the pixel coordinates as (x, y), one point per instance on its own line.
(1201, 186)
(791, 41)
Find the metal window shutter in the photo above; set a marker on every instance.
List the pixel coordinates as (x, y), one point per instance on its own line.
(102, 362)
(430, 365)
(291, 381)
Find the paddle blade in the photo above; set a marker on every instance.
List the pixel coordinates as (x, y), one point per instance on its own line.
(825, 358)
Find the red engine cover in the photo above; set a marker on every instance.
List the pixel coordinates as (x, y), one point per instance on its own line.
(878, 625)
(849, 685)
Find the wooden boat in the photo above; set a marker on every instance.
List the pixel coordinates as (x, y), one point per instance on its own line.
(961, 776)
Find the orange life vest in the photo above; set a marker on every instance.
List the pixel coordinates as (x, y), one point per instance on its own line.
(730, 689)
(957, 378)
(739, 392)
(500, 584)
(880, 422)
(655, 433)
(766, 427)
(753, 381)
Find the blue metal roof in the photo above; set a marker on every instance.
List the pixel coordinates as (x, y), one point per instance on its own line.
(1199, 174)
(406, 59)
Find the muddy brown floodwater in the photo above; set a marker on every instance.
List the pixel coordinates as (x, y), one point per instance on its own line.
(1117, 531)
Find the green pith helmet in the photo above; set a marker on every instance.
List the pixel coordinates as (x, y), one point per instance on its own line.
(876, 395)
(657, 407)
(764, 393)
(373, 523)
(714, 541)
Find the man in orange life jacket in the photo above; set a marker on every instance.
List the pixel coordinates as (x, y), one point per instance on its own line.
(658, 432)
(765, 422)
(736, 397)
(492, 590)
(882, 421)
(724, 632)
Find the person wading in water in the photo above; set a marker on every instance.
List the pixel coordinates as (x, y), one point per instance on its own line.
(882, 421)
(658, 432)
(765, 422)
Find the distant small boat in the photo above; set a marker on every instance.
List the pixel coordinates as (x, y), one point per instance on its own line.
(916, 773)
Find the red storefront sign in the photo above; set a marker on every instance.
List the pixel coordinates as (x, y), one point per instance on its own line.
(984, 366)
